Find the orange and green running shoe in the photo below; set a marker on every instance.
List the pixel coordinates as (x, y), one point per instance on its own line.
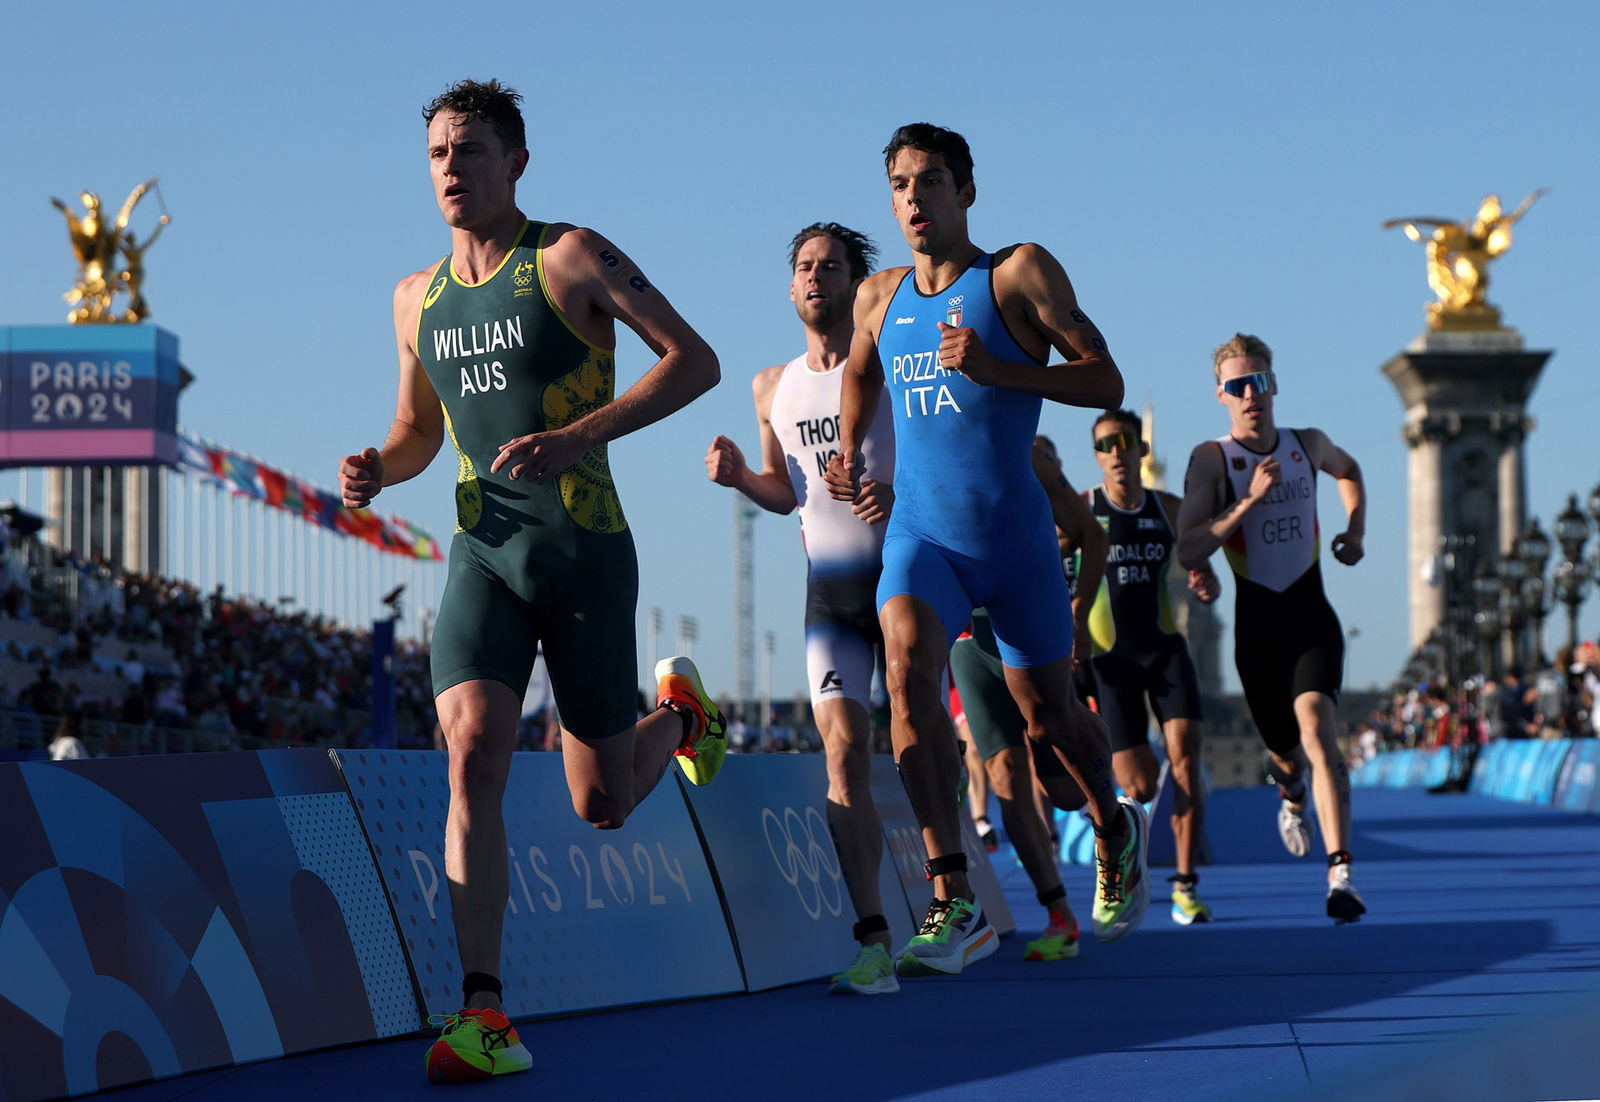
(678, 687)
(1058, 942)
(475, 1044)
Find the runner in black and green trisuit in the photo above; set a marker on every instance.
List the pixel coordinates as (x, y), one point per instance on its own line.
(1139, 654)
(506, 348)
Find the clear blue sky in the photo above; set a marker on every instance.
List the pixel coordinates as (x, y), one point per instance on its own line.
(1198, 170)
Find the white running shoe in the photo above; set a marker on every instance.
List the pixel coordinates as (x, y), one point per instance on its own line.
(1293, 830)
(1344, 902)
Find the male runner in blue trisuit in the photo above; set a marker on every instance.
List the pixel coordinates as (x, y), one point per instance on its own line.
(962, 339)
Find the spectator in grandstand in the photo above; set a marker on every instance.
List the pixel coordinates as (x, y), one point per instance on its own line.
(169, 706)
(46, 696)
(1553, 698)
(132, 670)
(1586, 671)
(67, 745)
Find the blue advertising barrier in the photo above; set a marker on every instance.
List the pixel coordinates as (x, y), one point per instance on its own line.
(595, 919)
(1437, 770)
(163, 915)
(1489, 765)
(1547, 769)
(765, 824)
(1519, 770)
(1559, 772)
(1575, 787)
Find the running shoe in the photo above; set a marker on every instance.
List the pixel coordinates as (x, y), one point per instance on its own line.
(871, 973)
(1058, 942)
(475, 1044)
(678, 684)
(1293, 830)
(955, 933)
(1122, 888)
(1344, 902)
(988, 835)
(1186, 906)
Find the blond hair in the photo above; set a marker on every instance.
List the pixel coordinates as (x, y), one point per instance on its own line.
(1242, 344)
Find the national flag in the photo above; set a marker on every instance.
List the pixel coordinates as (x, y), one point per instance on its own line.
(274, 485)
(363, 524)
(192, 456)
(422, 545)
(242, 473)
(294, 499)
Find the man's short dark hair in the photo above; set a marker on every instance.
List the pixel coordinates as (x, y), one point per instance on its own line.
(490, 101)
(858, 247)
(1119, 417)
(933, 139)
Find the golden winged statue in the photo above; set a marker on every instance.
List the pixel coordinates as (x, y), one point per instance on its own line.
(97, 247)
(1458, 255)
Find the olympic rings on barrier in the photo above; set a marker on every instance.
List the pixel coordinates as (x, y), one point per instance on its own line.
(809, 865)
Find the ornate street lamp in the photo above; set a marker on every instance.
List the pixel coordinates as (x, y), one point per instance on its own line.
(1533, 548)
(1570, 581)
(1486, 618)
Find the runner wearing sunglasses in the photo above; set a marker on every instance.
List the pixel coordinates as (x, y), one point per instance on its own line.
(1253, 493)
(1139, 655)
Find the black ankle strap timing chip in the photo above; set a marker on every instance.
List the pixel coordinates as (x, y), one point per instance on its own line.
(869, 925)
(1338, 857)
(944, 866)
(473, 982)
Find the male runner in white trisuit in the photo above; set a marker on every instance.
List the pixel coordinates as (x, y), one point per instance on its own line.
(1253, 493)
(797, 409)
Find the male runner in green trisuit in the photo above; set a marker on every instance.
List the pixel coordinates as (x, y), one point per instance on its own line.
(506, 347)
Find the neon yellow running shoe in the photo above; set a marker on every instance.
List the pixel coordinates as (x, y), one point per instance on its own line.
(678, 687)
(475, 1044)
(1058, 942)
(955, 933)
(1122, 888)
(1187, 909)
(871, 973)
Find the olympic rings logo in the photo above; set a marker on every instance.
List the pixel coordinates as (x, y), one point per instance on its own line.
(811, 867)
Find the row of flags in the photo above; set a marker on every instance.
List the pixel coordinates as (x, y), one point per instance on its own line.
(251, 478)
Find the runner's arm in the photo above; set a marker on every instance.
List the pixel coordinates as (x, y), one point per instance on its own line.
(1203, 523)
(1203, 580)
(686, 366)
(1035, 281)
(1329, 457)
(1077, 522)
(770, 487)
(1076, 529)
(417, 430)
(597, 278)
(860, 388)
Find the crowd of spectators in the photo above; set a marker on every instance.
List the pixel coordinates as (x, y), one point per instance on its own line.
(1559, 699)
(160, 654)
